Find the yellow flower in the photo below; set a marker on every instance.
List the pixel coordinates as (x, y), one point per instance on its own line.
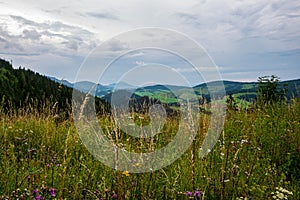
(137, 164)
(126, 173)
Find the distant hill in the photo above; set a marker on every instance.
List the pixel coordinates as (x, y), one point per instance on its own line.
(244, 91)
(62, 81)
(121, 86)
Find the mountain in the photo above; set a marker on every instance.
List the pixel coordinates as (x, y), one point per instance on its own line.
(92, 88)
(62, 81)
(168, 93)
(121, 86)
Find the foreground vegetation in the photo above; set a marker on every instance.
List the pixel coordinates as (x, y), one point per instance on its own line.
(257, 157)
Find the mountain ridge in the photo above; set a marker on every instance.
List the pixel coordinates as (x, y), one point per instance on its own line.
(19, 85)
(244, 90)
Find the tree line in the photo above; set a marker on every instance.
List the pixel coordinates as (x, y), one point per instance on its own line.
(22, 87)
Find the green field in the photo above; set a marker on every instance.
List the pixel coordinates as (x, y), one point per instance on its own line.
(256, 157)
(162, 96)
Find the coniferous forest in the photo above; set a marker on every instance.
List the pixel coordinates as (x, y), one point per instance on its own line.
(21, 87)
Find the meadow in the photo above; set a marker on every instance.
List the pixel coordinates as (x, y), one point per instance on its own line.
(257, 156)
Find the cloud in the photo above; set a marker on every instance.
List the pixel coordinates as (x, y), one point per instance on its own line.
(115, 45)
(102, 15)
(218, 22)
(20, 35)
(240, 35)
(188, 18)
(32, 34)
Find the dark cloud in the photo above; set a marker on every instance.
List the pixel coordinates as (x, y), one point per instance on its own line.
(32, 34)
(71, 45)
(55, 26)
(116, 45)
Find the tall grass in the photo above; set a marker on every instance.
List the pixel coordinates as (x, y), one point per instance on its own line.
(257, 157)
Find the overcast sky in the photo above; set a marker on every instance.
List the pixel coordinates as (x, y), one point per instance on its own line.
(245, 39)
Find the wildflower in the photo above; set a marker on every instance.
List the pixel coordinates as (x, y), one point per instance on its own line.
(197, 193)
(97, 191)
(281, 193)
(39, 197)
(52, 192)
(114, 196)
(285, 191)
(188, 193)
(138, 164)
(126, 173)
(244, 141)
(59, 165)
(35, 192)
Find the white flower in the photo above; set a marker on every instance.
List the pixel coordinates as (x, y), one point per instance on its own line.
(244, 141)
(280, 195)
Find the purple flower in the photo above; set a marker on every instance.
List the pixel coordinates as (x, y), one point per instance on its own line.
(59, 165)
(52, 192)
(114, 196)
(188, 194)
(197, 193)
(35, 192)
(39, 197)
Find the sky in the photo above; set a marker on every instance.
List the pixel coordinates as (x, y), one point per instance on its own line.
(244, 39)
